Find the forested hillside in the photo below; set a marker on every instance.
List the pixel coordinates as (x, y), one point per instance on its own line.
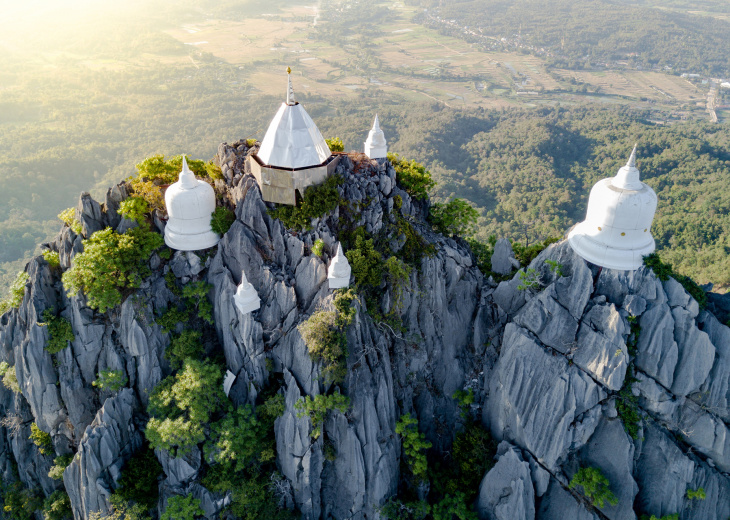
(583, 33)
(530, 172)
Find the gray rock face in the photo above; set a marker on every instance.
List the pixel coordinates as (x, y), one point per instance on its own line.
(537, 400)
(544, 364)
(106, 445)
(600, 348)
(559, 504)
(506, 490)
(503, 258)
(610, 450)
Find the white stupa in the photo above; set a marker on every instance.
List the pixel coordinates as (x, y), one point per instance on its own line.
(375, 145)
(338, 274)
(293, 154)
(616, 233)
(246, 298)
(190, 203)
(293, 140)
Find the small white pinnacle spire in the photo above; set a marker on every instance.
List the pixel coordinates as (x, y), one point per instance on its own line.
(375, 145)
(290, 100)
(628, 177)
(632, 159)
(246, 297)
(339, 271)
(187, 177)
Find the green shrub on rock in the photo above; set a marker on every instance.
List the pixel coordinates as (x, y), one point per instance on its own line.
(19, 502)
(221, 220)
(413, 177)
(110, 263)
(41, 439)
(68, 217)
(316, 203)
(134, 208)
(59, 330)
(111, 380)
(9, 378)
(365, 260)
(414, 444)
(138, 483)
(57, 506)
(596, 486)
(60, 464)
(186, 345)
(15, 293)
(53, 259)
(335, 144)
(318, 407)
(181, 407)
(182, 508)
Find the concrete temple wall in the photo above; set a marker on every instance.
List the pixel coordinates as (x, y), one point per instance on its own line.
(280, 185)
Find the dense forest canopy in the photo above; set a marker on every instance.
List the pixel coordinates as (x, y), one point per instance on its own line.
(587, 33)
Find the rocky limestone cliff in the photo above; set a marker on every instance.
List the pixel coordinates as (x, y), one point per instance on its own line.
(545, 364)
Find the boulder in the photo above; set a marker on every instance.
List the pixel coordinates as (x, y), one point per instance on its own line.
(506, 491)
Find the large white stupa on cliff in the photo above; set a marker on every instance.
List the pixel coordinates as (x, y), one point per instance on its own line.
(190, 203)
(293, 154)
(616, 233)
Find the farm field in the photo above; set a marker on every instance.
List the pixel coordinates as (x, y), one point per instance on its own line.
(401, 57)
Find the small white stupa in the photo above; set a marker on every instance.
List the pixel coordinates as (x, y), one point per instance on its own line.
(246, 298)
(190, 203)
(616, 233)
(339, 271)
(375, 145)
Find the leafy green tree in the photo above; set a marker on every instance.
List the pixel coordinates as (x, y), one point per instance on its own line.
(395, 509)
(60, 464)
(318, 407)
(138, 482)
(696, 494)
(9, 378)
(365, 260)
(221, 220)
(596, 486)
(68, 217)
(397, 275)
(453, 506)
(412, 176)
(111, 380)
(19, 502)
(240, 440)
(414, 444)
(59, 330)
(456, 217)
(316, 202)
(335, 144)
(135, 208)
(181, 406)
(57, 506)
(15, 294)
(53, 259)
(41, 439)
(111, 262)
(186, 345)
(196, 296)
(182, 508)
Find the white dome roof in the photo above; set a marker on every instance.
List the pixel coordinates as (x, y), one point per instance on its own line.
(616, 233)
(190, 203)
(293, 140)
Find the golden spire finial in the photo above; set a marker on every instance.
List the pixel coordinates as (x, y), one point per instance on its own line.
(288, 70)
